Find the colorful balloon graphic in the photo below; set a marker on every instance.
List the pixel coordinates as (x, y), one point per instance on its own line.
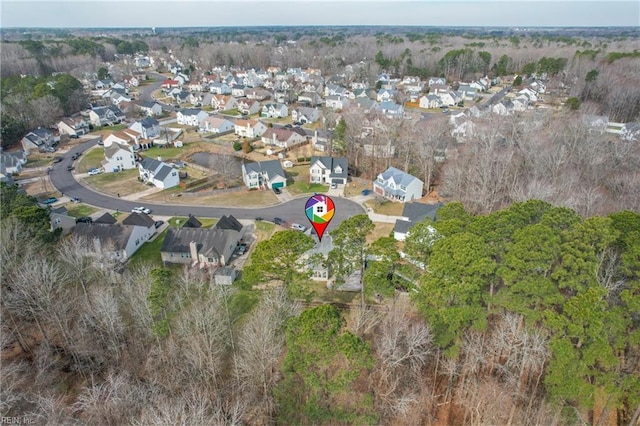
(319, 210)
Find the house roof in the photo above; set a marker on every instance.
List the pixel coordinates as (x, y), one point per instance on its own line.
(139, 219)
(415, 213)
(210, 242)
(163, 172)
(111, 150)
(190, 111)
(229, 222)
(271, 168)
(117, 235)
(192, 222)
(106, 218)
(332, 163)
(399, 178)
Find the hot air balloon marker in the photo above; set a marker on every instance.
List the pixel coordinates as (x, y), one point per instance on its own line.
(319, 210)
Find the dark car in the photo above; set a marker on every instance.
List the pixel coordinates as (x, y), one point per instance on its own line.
(278, 221)
(57, 159)
(50, 200)
(84, 219)
(242, 249)
(74, 136)
(158, 223)
(277, 191)
(69, 167)
(258, 219)
(75, 156)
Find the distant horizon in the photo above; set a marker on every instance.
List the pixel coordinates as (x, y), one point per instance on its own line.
(89, 14)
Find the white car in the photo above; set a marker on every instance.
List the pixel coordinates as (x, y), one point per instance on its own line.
(93, 172)
(140, 210)
(298, 227)
(334, 185)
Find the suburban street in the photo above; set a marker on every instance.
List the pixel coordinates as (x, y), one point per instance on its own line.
(291, 211)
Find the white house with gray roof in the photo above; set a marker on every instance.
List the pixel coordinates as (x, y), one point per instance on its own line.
(328, 170)
(159, 173)
(396, 185)
(118, 157)
(264, 174)
(191, 116)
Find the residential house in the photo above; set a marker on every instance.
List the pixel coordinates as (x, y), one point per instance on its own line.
(239, 91)
(216, 124)
(336, 102)
(249, 106)
(305, 115)
(147, 127)
(384, 95)
(106, 116)
(396, 185)
(249, 128)
(144, 221)
(170, 84)
(220, 88)
(119, 242)
(73, 126)
(630, 132)
(391, 109)
(180, 96)
(258, 94)
(59, 218)
(126, 137)
(366, 104)
(264, 174)
(39, 138)
(530, 94)
(12, 162)
(429, 101)
(449, 98)
(192, 222)
(412, 214)
(223, 103)
(158, 173)
(181, 78)
(310, 98)
(118, 157)
(130, 81)
(468, 93)
(437, 81)
(463, 129)
(224, 276)
(191, 116)
(203, 247)
(275, 111)
(319, 139)
(316, 259)
(151, 109)
(106, 218)
(596, 123)
(283, 138)
(328, 170)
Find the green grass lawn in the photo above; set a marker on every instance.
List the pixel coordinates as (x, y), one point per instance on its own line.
(303, 187)
(40, 162)
(150, 252)
(176, 222)
(165, 153)
(384, 206)
(91, 159)
(80, 210)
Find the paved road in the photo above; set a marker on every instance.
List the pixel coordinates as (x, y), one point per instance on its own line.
(291, 211)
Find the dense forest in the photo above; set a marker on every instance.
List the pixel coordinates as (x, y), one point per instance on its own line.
(527, 315)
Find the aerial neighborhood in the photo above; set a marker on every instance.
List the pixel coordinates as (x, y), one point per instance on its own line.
(320, 225)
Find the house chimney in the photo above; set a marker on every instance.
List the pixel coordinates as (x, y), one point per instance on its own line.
(193, 250)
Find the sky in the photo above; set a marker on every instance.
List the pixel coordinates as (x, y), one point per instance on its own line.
(215, 13)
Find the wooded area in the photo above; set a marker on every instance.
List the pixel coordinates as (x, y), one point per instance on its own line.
(528, 315)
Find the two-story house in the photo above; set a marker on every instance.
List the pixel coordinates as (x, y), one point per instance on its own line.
(275, 110)
(106, 116)
(73, 126)
(118, 157)
(396, 185)
(191, 116)
(264, 174)
(328, 170)
(40, 138)
(249, 128)
(158, 173)
(147, 127)
(283, 138)
(305, 115)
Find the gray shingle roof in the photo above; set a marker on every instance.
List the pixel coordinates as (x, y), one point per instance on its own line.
(139, 219)
(271, 168)
(229, 222)
(192, 222)
(210, 242)
(117, 235)
(106, 218)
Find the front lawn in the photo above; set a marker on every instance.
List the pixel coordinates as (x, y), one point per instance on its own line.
(302, 187)
(177, 222)
(91, 159)
(123, 183)
(384, 206)
(80, 210)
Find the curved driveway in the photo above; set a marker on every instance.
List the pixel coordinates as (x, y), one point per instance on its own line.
(291, 211)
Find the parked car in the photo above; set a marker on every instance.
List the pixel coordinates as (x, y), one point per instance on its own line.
(242, 249)
(74, 136)
(334, 185)
(84, 219)
(75, 156)
(277, 191)
(258, 219)
(57, 159)
(140, 209)
(94, 172)
(69, 167)
(278, 221)
(158, 223)
(298, 227)
(50, 200)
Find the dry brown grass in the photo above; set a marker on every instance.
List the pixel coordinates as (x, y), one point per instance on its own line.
(383, 206)
(123, 183)
(381, 230)
(231, 199)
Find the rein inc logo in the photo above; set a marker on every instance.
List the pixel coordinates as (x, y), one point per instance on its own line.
(319, 210)
(23, 420)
